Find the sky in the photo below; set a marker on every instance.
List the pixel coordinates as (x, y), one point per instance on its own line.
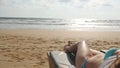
(93, 9)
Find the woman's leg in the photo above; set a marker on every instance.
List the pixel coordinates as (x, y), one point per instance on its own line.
(82, 51)
(93, 57)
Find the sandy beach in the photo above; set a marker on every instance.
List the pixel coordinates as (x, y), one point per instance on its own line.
(28, 48)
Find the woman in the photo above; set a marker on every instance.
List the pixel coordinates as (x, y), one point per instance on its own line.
(89, 58)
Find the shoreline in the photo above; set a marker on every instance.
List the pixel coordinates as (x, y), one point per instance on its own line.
(28, 48)
(83, 30)
(63, 33)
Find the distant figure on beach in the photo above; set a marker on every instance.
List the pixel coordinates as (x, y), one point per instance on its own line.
(90, 58)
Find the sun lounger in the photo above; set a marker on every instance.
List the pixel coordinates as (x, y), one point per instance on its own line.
(60, 59)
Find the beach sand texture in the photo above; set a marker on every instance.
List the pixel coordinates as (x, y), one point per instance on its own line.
(28, 48)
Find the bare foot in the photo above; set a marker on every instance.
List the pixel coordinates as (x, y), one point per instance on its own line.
(71, 47)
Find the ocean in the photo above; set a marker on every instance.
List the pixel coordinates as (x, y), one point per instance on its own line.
(60, 24)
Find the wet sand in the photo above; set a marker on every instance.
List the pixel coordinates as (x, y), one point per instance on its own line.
(28, 48)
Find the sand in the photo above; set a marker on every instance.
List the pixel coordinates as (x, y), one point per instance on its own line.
(28, 48)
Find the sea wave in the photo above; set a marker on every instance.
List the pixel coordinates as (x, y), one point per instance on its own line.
(57, 23)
